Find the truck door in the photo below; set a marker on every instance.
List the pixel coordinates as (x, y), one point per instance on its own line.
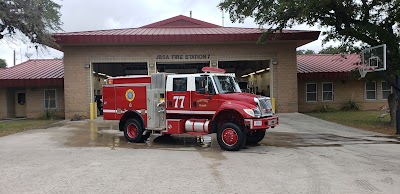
(109, 110)
(204, 98)
(178, 96)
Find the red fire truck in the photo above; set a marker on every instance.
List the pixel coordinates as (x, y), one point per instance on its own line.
(197, 104)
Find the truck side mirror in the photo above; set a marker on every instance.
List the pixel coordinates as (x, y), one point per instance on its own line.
(202, 90)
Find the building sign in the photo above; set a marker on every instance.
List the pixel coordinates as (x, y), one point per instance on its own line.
(183, 57)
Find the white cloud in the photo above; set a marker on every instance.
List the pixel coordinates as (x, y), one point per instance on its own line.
(78, 15)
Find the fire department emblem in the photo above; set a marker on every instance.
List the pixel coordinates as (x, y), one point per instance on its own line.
(130, 95)
(202, 102)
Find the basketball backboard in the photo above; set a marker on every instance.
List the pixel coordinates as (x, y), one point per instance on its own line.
(372, 59)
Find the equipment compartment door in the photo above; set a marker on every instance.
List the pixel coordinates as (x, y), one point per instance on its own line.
(109, 103)
(131, 97)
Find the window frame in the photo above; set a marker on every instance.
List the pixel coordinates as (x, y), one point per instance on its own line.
(391, 90)
(316, 92)
(44, 98)
(322, 91)
(366, 91)
(173, 84)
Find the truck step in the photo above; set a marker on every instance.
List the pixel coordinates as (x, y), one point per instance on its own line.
(155, 132)
(156, 129)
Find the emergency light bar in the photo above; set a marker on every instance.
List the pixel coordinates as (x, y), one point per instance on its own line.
(212, 70)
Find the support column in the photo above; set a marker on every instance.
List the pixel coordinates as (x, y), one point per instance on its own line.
(398, 107)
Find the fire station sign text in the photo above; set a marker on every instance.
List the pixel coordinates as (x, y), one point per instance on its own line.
(183, 57)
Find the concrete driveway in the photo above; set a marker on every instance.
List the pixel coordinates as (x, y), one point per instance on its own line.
(302, 155)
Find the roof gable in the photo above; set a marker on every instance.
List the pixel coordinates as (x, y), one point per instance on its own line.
(181, 21)
(179, 30)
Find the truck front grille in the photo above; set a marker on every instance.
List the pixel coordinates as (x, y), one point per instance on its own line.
(265, 106)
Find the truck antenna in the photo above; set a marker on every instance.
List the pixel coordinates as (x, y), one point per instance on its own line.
(223, 17)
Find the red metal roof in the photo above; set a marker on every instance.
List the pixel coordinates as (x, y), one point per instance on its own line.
(179, 29)
(327, 63)
(38, 72)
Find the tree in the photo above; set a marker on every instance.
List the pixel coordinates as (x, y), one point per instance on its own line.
(371, 22)
(305, 52)
(3, 63)
(36, 19)
(339, 50)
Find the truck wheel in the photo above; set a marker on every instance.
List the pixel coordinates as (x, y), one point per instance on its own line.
(255, 137)
(133, 131)
(230, 137)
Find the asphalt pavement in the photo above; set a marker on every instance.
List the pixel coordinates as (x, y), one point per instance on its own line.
(302, 155)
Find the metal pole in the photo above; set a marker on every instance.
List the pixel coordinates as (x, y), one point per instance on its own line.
(398, 107)
(14, 57)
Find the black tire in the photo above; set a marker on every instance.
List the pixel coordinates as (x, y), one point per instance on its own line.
(230, 137)
(255, 137)
(133, 131)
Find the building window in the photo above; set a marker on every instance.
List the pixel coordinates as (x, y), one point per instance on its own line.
(370, 90)
(327, 91)
(180, 84)
(311, 92)
(386, 90)
(50, 99)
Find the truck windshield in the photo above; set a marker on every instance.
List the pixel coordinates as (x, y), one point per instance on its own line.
(226, 84)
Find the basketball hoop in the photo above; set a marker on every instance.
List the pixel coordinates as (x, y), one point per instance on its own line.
(364, 69)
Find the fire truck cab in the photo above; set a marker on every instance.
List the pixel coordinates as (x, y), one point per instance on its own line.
(197, 104)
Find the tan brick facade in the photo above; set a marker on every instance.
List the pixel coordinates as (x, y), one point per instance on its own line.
(34, 102)
(3, 103)
(77, 78)
(343, 91)
(7, 103)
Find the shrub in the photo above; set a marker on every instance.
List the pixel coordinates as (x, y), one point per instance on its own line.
(325, 108)
(351, 105)
(50, 115)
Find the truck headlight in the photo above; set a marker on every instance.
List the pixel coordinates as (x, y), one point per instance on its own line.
(249, 112)
(253, 112)
(257, 112)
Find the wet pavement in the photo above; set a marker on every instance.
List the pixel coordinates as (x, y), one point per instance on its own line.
(302, 155)
(105, 134)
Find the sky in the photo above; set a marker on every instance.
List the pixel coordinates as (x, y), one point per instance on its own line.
(78, 15)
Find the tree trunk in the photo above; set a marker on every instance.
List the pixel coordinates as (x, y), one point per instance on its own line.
(392, 108)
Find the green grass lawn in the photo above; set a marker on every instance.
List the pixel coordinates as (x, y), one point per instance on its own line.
(358, 119)
(15, 126)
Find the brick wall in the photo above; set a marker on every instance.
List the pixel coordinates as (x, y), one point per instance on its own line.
(285, 79)
(3, 103)
(343, 91)
(7, 103)
(10, 103)
(77, 77)
(35, 102)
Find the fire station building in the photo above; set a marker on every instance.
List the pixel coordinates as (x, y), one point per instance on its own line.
(181, 45)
